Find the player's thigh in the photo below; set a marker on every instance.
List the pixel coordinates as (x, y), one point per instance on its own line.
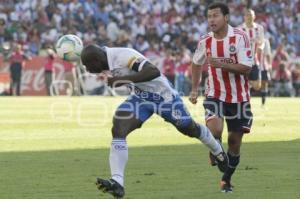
(239, 121)
(255, 77)
(129, 116)
(177, 114)
(216, 126)
(256, 85)
(264, 84)
(214, 112)
(238, 117)
(124, 122)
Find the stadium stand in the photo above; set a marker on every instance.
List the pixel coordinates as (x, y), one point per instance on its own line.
(164, 30)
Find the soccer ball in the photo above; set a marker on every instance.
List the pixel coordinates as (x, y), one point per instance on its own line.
(69, 47)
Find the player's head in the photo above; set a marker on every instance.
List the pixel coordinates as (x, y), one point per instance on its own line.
(249, 16)
(18, 47)
(94, 58)
(217, 16)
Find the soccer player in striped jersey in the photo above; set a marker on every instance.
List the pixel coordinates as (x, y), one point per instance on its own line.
(228, 53)
(266, 67)
(152, 94)
(255, 33)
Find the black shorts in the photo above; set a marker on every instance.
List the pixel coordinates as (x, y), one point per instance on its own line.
(265, 75)
(255, 73)
(238, 116)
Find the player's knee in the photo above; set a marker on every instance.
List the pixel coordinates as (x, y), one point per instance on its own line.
(256, 85)
(118, 132)
(123, 126)
(216, 131)
(216, 128)
(232, 141)
(234, 145)
(190, 130)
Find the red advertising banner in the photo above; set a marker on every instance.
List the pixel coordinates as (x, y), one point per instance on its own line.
(33, 80)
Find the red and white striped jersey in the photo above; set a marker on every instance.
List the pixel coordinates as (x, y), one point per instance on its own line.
(256, 36)
(234, 48)
(265, 65)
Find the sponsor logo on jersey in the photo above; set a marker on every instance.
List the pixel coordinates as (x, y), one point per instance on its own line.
(226, 60)
(232, 48)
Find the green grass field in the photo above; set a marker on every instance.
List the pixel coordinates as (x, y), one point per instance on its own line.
(54, 148)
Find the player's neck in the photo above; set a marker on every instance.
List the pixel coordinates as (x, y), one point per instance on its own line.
(250, 25)
(222, 33)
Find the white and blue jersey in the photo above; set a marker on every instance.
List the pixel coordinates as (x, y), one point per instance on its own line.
(154, 96)
(126, 61)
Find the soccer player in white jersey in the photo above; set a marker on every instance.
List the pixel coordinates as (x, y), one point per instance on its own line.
(152, 93)
(255, 33)
(266, 67)
(228, 54)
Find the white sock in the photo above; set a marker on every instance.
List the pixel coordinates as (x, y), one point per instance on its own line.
(208, 139)
(117, 159)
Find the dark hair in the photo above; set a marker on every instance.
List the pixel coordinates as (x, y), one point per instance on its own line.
(223, 7)
(90, 52)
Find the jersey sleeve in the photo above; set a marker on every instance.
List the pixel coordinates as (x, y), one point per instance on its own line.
(199, 55)
(129, 58)
(244, 53)
(136, 63)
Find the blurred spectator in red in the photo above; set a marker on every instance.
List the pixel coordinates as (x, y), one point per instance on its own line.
(49, 70)
(169, 66)
(296, 79)
(283, 81)
(16, 64)
(280, 56)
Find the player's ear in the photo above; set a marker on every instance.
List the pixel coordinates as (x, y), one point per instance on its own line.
(226, 17)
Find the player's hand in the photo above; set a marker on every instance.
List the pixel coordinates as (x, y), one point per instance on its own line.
(111, 81)
(193, 97)
(102, 77)
(214, 62)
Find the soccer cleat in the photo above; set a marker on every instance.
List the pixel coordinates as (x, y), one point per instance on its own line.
(110, 186)
(226, 187)
(222, 161)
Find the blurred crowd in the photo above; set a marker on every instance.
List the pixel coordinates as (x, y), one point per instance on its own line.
(166, 31)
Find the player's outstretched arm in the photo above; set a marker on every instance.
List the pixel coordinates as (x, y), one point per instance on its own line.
(147, 73)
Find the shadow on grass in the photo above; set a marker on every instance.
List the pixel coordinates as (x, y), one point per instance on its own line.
(267, 170)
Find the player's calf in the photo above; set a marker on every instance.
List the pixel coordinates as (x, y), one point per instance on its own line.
(203, 133)
(190, 130)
